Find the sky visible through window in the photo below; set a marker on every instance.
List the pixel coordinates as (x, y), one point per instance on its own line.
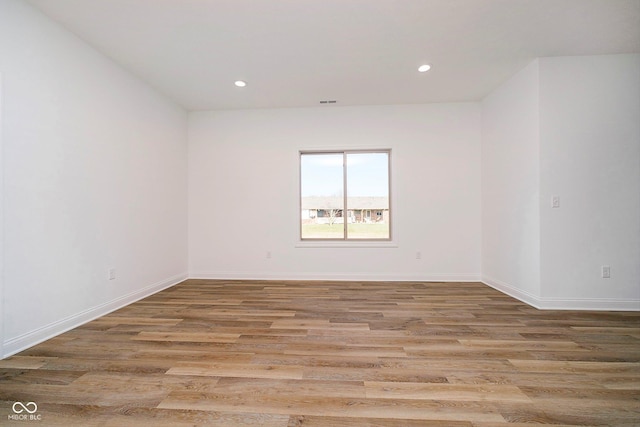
(367, 174)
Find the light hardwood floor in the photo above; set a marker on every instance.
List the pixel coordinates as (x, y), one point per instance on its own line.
(273, 353)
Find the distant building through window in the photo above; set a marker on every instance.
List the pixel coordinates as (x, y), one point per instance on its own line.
(345, 195)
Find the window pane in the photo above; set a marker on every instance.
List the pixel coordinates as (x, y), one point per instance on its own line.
(322, 196)
(368, 195)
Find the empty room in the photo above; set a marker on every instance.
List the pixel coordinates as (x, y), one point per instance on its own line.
(320, 213)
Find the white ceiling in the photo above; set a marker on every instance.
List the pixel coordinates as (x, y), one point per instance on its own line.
(298, 52)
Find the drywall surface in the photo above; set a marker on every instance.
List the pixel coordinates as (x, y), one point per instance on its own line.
(1, 229)
(94, 179)
(510, 186)
(244, 185)
(590, 160)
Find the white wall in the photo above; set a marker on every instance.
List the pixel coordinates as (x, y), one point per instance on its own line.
(243, 192)
(566, 127)
(1, 229)
(94, 178)
(590, 158)
(510, 186)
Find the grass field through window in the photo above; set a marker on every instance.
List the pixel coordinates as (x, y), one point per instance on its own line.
(335, 231)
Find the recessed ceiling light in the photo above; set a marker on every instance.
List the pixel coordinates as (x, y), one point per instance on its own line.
(424, 68)
(240, 83)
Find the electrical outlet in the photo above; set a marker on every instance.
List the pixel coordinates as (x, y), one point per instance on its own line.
(606, 272)
(112, 274)
(268, 254)
(418, 255)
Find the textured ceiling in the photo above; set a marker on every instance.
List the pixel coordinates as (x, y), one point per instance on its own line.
(296, 53)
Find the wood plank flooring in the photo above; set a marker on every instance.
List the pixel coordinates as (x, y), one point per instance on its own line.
(284, 354)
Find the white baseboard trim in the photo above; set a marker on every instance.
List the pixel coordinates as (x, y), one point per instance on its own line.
(512, 291)
(581, 304)
(29, 339)
(590, 304)
(371, 277)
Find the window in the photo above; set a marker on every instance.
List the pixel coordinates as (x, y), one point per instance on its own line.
(344, 195)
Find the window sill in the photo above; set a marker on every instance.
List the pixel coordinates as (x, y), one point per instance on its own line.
(346, 244)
